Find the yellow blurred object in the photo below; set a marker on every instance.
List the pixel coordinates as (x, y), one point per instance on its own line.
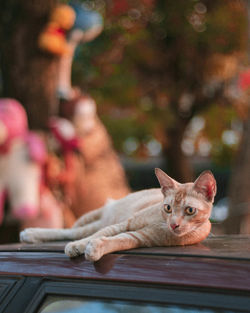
(53, 43)
(53, 37)
(64, 16)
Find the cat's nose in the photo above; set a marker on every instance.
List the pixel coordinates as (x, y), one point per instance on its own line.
(174, 226)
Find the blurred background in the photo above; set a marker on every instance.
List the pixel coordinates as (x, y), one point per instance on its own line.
(115, 88)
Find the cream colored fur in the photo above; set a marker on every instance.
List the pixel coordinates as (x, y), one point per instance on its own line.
(141, 219)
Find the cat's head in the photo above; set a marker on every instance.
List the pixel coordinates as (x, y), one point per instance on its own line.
(186, 206)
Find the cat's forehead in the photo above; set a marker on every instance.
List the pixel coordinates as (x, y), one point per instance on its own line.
(182, 192)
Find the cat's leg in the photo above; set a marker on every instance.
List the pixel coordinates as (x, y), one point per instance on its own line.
(98, 247)
(32, 235)
(76, 248)
(89, 217)
(136, 223)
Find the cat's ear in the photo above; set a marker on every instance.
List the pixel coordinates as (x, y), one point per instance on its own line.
(165, 181)
(206, 185)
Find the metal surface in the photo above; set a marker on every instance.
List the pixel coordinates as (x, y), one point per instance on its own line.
(168, 270)
(235, 247)
(218, 268)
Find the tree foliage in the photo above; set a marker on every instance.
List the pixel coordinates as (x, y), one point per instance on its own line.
(159, 63)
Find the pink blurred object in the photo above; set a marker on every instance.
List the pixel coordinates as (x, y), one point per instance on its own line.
(22, 156)
(14, 119)
(25, 211)
(244, 80)
(37, 149)
(50, 214)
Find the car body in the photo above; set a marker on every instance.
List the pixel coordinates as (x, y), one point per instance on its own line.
(213, 276)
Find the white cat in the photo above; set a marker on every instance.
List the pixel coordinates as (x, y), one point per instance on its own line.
(176, 214)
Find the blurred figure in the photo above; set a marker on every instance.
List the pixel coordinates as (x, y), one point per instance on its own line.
(22, 159)
(104, 176)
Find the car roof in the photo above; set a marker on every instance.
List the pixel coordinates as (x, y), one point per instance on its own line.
(218, 262)
(234, 247)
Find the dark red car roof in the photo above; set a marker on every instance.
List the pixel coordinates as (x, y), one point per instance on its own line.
(218, 262)
(234, 247)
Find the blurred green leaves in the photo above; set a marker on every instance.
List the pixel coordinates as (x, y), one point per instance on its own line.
(159, 63)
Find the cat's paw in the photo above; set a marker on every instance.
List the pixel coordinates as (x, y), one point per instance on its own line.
(30, 235)
(94, 250)
(75, 248)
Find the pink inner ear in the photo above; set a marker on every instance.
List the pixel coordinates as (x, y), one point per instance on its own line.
(210, 191)
(206, 185)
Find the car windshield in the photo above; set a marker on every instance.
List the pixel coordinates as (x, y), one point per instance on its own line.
(54, 304)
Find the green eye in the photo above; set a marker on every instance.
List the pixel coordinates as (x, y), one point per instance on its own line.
(167, 208)
(189, 210)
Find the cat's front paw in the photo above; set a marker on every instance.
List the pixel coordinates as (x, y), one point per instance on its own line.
(75, 248)
(94, 250)
(29, 235)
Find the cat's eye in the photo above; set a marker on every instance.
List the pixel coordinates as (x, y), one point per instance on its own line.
(167, 208)
(189, 210)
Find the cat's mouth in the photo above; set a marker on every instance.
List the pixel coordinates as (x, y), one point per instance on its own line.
(177, 231)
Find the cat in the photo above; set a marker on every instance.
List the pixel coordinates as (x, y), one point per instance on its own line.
(175, 214)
